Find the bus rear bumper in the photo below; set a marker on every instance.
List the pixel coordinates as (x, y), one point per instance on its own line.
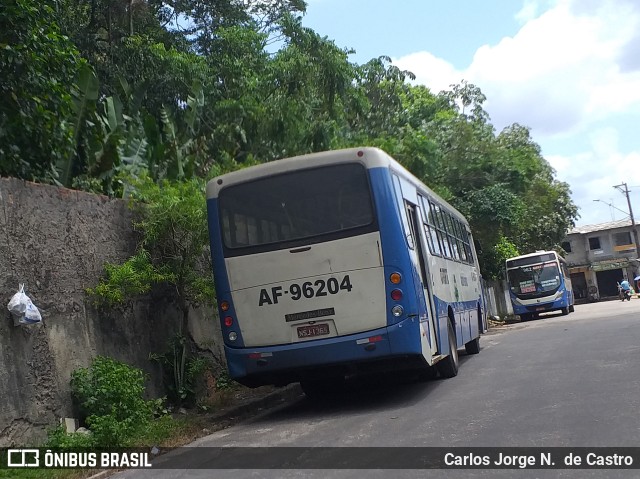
(371, 351)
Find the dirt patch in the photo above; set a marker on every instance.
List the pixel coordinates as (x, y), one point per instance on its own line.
(234, 406)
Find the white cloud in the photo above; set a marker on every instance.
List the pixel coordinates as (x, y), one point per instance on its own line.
(528, 12)
(594, 173)
(569, 70)
(436, 73)
(558, 74)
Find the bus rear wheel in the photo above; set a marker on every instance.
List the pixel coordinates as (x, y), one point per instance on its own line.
(473, 346)
(565, 311)
(448, 367)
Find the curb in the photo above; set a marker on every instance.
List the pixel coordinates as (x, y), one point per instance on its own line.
(249, 408)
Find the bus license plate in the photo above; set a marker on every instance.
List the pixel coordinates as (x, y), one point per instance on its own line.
(313, 330)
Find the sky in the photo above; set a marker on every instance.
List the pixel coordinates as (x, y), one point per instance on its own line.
(567, 69)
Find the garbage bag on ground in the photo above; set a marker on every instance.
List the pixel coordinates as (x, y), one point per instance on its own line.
(23, 309)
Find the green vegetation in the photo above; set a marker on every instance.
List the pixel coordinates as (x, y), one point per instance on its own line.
(100, 91)
(110, 396)
(172, 253)
(181, 372)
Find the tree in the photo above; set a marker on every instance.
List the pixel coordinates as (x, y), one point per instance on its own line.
(172, 253)
(100, 30)
(205, 19)
(501, 183)
(38, 65)
(377, 107)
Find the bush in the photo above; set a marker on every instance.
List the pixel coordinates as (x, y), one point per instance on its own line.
(110, 395)
(59, 438)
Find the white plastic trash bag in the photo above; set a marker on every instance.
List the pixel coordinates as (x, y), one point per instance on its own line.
(23, 309)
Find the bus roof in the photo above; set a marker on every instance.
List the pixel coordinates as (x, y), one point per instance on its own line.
(369, 157)
(518, 259)
(535, 253)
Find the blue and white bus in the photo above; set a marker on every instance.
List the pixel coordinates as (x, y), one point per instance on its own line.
(538, 283)
(336, 264)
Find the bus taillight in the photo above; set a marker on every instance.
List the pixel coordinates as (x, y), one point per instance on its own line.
(224, 306)
(396, 295)
(395, 278)
(228, 321)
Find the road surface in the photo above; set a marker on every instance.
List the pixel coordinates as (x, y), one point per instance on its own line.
(561, 381)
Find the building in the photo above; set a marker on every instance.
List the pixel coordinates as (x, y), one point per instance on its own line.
(600, 256)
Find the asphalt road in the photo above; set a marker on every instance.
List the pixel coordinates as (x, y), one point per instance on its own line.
(561, 381)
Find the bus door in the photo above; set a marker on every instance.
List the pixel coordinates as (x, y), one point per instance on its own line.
(427, 324)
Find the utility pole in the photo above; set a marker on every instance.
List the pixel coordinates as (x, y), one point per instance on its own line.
(625, 191)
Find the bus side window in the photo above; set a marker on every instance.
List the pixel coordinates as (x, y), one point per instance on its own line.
(433, 225)
(460, 239)
(467, 246)
(403, 212)
(429, 229)
(451, 235)
(441, 231)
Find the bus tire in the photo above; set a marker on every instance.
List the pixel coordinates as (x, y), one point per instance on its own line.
(473, 346)
(525, 317)
(572, 308)
(448, 367)
(565, 311)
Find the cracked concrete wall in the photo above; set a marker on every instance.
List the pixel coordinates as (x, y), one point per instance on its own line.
(56, 241)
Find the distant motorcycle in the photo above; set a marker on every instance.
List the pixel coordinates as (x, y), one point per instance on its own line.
(593, 296)
(625, 294)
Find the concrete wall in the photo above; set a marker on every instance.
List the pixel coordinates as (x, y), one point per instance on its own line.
(56, 241)
(497, 299)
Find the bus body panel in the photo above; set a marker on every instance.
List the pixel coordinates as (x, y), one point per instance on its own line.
(332, 257)
(454, 286)
(295, 362)
(320, 286)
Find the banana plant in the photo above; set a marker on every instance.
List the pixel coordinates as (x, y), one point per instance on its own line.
(182, 148)
(84, 100)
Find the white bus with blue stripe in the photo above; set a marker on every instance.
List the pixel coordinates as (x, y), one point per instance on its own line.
(539, 283)
(340, 263)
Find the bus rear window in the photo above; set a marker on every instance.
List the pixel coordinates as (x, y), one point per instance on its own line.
(295, 206)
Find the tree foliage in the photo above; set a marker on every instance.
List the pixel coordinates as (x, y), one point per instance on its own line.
(173, 233)
(99, 91)
(38, 66)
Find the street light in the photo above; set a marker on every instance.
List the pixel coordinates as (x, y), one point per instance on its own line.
(610, 205)
(625, 191)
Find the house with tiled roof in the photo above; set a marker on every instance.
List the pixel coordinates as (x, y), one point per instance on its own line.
(601, 255)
